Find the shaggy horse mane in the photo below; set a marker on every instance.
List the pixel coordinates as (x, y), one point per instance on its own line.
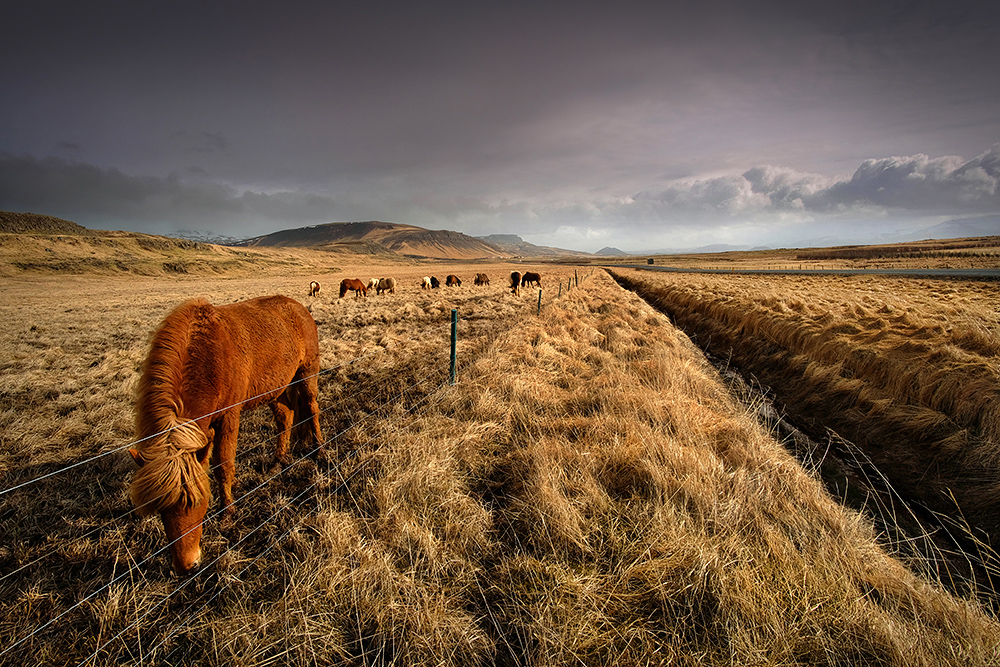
(170, 473)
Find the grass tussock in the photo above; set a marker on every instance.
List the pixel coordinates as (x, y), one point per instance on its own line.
(589, 492)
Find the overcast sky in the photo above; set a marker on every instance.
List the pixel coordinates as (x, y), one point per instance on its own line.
(581, 125)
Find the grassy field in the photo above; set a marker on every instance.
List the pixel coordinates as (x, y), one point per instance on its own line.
(971, 253)
(588, 492)
(904, 371)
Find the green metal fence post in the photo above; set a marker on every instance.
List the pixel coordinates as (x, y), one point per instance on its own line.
(454, 341)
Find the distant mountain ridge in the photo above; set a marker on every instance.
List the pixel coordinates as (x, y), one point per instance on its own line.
(986, 225)
(518, 247)
(392, 238)
(958, 228)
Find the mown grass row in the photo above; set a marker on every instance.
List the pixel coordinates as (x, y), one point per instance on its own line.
(914, 385)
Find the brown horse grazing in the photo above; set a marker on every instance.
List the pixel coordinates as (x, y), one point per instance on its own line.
(353, 284)
(515, 283)
(453, 281)
(529, 278)
(386, 285)
(206, 365)
(481, 279)
(313, 288)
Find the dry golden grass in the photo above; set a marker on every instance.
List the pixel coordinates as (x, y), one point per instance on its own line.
(905, 369)
(970, 253)
(589, 492)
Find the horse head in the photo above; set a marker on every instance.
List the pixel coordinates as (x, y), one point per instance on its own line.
(172, 479)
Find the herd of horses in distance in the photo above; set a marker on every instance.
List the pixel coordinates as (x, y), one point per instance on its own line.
(388, 285)
(206, 364)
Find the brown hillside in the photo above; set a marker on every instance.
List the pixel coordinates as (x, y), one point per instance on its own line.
(27, 223)
(395, 238)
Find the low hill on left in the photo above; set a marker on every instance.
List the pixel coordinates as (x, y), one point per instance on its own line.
(40, 244)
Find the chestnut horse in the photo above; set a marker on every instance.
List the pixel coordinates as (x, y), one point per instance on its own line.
(205, 365)
(353, 284)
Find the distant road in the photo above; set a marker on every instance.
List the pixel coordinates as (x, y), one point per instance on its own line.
(989, 274)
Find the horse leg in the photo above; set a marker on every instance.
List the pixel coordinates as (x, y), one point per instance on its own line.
(224, 459)
(284, 415)
(309, 404)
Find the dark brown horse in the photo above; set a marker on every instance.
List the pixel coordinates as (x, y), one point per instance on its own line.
(353, 284)
(481, 279)
(205, 366)
(453, 281)
(530, 277)
(515, 283)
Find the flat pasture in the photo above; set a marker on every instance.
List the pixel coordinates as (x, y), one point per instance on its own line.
(589, 491)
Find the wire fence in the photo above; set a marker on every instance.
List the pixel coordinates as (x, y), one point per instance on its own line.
(427, 389)
(427, 385)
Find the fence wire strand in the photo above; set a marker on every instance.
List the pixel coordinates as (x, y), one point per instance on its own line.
(210, 414)
(209, 470)
(136, 566)
(164, 548)
(134, 571)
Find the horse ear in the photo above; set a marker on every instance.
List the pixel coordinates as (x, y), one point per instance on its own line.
(136, 457)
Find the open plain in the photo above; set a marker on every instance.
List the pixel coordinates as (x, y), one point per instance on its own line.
(589, 491)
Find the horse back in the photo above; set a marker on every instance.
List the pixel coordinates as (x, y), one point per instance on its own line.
(204, 358)
(271, 341)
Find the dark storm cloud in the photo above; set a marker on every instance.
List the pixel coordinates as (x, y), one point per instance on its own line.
(201, 142)
(107, 198)
(889, 186)
(593, 119)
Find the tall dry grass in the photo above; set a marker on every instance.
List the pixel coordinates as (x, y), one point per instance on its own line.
(589, 492)
(904, 369)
